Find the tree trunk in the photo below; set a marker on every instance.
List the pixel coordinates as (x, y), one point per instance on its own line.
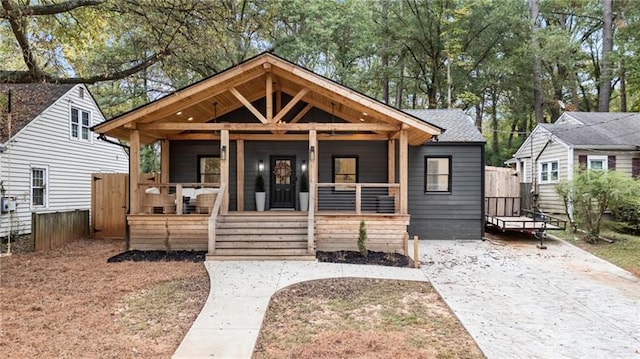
(537, 87)
(494, 121)
(623, 87)
(605, 68)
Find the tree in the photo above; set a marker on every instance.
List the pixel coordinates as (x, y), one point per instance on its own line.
(604, 92)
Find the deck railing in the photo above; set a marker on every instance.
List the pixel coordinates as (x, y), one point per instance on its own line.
(358, 198)
(177, 198)
(213, 218)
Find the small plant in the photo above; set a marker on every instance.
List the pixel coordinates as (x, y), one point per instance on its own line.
(362, 237)
(259, 183)
(304, 185)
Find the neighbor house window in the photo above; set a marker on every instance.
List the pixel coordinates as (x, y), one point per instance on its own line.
(437, 174)
(80, 124)
(38, 187)
(549, 172)
(598, 163)
(345, 170)
(208, 169)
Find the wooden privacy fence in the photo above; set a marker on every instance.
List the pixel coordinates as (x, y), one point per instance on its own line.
(54, 229)
(501, 182)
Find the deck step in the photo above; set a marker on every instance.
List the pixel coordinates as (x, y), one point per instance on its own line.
(262, 245)
(260, 258)
(261, 252)
(262, 238)
(259, 231)
(263, 224)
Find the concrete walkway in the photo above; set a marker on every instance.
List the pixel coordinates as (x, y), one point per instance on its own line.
(517, 301)
(230, 321)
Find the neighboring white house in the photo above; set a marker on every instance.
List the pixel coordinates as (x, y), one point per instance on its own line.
(594, 140)
(48, 152)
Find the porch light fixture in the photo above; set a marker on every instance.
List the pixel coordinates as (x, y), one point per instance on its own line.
(304, 166)
(223, 152)
(312, 153)
(260, 165)
(179, 113)
(190, 118)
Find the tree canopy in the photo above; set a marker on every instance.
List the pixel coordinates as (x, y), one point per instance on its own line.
(510, 64)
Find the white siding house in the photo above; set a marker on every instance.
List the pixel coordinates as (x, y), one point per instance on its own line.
(47, 158)
(553, 152)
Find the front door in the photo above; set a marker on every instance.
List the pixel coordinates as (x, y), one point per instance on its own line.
(283, 182)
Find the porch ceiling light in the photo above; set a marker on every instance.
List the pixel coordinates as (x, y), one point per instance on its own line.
(260, 165)
(179, 113)
(190, 118)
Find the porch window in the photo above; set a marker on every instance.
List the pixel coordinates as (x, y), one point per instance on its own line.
(549, 172)
(437, 174)
(208, 169)
(345, 170)
(80, 124)
(38, 187)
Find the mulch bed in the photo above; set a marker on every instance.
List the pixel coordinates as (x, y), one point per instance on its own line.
(375, 258)
(159, 256)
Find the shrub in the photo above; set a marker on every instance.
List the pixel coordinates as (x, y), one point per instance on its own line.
(362, 237)
(259, 183)
(627, 211)
(304, 185)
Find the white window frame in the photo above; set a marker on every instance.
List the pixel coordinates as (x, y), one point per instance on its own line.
(604, 159)
(80, 124)
(548, 172)
(45, 189)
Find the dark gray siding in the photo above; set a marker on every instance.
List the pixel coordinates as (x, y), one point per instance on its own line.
(454, 215)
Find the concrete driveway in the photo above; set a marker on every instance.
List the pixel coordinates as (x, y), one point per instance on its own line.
(521, 302)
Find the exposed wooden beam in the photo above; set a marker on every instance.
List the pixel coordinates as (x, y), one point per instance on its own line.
(301, 114)
(290, 105)
(164, 161)
(279, 137)
(134, 170)
(269, 97)
(239, 175)
(339, 127)
(224, 170)
(313, 180)
(404, 172)
(248, 105)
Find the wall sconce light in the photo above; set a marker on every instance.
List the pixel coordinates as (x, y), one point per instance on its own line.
(304, 166)
(223, 152)
(260, 165)
(312, 153)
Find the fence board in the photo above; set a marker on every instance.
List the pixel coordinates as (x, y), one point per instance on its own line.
(54, 229)
(501, 182)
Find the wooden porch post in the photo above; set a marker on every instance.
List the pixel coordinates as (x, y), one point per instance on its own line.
(164, 161)
(224, 169)
(240, 175)
(313, 190)
(391, 173)
(404, 171)
(134, 169)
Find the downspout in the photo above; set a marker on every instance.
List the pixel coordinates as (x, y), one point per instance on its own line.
(102, 137)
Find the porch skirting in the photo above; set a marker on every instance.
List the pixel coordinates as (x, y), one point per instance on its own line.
(333, 232)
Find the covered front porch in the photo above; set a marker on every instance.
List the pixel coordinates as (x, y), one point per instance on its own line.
(268, 123)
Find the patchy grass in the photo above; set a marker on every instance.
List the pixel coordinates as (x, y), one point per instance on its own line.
(71, 303)
(365, 318)
(623, 252)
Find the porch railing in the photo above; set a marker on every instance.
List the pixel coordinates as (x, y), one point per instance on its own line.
(177, 198)
(358, 198)
(215, 209)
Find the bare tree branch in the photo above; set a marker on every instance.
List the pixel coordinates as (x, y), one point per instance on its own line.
(52, 9)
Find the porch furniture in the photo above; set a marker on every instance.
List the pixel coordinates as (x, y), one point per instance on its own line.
(161, 202)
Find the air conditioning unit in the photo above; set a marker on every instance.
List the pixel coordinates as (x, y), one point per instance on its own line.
(7, 204)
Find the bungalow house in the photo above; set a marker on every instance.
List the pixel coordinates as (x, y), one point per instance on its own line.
(263, 133)
(593, 140)
(47, 152)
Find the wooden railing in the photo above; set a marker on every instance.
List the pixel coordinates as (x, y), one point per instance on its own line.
(215, 209)
(177, 198)
(358, 198)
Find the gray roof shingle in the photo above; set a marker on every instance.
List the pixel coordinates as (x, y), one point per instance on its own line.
(459, 127)
(598, 129)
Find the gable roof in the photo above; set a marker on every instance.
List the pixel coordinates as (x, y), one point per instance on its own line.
(616, 130)
(458, 126)
(27, 102)
(248, 82)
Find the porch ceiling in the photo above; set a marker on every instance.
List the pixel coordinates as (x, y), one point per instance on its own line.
(184, 113)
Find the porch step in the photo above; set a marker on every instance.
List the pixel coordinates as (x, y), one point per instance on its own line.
(262, 236)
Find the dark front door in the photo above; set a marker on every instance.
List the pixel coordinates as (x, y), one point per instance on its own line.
(283, 182)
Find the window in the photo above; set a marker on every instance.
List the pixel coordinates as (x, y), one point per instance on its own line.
(437, 174)
(598, 163)
(80, 124)
(38, 187)
(345, 170)
(208, 169)
(549, 172)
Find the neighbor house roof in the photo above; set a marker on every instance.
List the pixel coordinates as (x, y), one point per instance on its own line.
(459, 127)
(597, 129)
(27, 102)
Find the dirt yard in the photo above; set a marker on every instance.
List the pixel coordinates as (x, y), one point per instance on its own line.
(362, 318)
(71, 303)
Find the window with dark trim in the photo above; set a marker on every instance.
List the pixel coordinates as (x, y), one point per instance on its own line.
(437, 176)
(345, 170)
(208, 169)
